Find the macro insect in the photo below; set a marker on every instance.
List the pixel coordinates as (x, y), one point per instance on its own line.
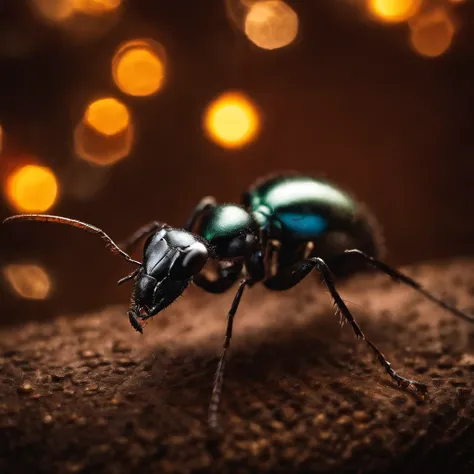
(286, 226)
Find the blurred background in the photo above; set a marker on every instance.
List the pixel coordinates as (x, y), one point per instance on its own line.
(120, 112)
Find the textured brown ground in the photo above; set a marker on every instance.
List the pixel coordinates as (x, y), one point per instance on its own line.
(88, 394)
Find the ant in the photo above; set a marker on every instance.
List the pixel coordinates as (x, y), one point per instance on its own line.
(287, 226)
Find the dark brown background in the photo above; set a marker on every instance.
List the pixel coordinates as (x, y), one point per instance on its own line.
(347, 100)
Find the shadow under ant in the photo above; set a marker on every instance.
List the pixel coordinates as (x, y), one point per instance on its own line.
(314, 362)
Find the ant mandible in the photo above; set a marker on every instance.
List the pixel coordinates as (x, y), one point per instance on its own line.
(287, 226)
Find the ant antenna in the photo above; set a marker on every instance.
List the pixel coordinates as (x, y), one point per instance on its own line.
(111, 245)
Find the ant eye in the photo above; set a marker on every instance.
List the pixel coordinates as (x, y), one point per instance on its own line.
(190, 262)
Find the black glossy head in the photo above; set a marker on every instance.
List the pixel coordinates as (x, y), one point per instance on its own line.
(171, 258)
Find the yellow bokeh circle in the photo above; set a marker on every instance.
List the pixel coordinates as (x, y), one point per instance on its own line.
(108, 116)
(231, 120)
(32, 188)
(271, 24)
(393, 11)
(138, 67)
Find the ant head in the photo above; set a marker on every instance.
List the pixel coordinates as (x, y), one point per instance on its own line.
(171, 258)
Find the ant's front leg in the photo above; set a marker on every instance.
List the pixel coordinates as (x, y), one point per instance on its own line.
(154, 226)
(134, 321)
(128, 244)
(203, 205)
(213, 418)
(226, 278)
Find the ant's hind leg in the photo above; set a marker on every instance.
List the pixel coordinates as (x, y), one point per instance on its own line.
(361, 257)
(293, 275)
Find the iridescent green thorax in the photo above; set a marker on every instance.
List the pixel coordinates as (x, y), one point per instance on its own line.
(300, 207)
(229, 229)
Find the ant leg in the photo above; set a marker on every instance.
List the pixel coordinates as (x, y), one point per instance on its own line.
(154, 226)
(129, 277)
(321, 266)
(203, 205)
(227, 276)
(128, 244)
(401, 278)
(213, 417)
(135, 322)
(293, 275)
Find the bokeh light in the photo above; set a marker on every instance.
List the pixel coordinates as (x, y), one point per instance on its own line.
(138, 67)
(271, 24)
(32, 188)
(105, 134)
(80, 20)
(99, 149)
(94, 7)
(231, 120)
(54, 10)
(29, 281)
(107, 115)
(81, 179)
(393, 11)
(432, 33)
